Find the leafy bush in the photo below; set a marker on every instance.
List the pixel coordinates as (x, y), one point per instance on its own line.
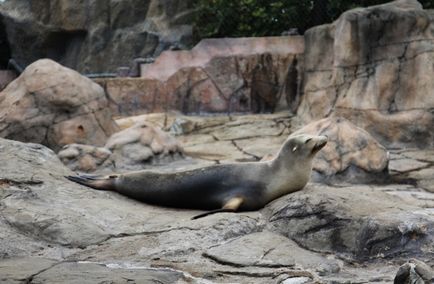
(228, 18)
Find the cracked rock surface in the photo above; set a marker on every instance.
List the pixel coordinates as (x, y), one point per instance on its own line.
(53, 105)
(53, 230)
(374, 66)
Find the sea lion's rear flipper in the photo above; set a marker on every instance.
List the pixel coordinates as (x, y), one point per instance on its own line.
(231, 206)
(96, 182)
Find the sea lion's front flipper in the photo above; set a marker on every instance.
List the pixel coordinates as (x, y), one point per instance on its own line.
(231, 206)
(96, 182)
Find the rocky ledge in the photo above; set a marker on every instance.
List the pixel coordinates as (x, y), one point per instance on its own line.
(55, 231)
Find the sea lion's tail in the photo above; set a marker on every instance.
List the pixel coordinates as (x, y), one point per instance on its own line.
(96, 182)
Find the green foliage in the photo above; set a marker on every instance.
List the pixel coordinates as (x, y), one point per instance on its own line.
(217, 18)
(229, 18)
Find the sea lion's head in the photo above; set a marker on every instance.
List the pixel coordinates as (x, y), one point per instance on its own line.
(303, 145)
(292, 167)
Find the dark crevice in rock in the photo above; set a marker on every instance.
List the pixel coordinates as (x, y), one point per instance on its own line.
(29, 279)
(110, 100)
(297, 211)
(146, 233)
(19, 183)
(62, 45)
(285, 120)
(221, 261)
(238, 99)
(215, 84)
(397, 84)
(379, 109)
(5, 50)
(211, 127)
(267, 253)
(320, 70)
(256, 158)
(331, 224)
(271, 273)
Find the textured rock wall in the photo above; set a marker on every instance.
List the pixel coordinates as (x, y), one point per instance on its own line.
(217, 75)
(374, 66)
(93, 35)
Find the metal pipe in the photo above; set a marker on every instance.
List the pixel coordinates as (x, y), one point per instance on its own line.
(14, 64)
(100, 75)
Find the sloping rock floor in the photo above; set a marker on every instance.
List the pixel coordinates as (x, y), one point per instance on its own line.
(55, 231)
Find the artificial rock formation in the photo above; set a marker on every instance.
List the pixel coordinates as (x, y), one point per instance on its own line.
(133, 148)
(85, 158)
(217, 76)
(351, 153)
(53, 229)
(93, 35)
(374, 66)
(54, 106)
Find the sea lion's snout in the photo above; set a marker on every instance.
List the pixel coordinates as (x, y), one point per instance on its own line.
(320, 143)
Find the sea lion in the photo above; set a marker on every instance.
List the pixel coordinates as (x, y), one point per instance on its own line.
(220, 188)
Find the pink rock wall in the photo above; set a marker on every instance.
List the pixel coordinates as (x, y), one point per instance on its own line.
(218, 75)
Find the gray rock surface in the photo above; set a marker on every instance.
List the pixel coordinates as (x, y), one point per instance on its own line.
(53, 229)
(356, 220)
(265, 249)
(89, 273)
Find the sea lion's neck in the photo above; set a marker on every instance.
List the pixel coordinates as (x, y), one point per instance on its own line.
(287, 175)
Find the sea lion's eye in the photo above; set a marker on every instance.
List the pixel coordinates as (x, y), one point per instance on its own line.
(307, 141)
(294, 149)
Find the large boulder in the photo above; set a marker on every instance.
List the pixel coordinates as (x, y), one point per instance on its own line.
(94, 35)
(358, 220)
(351, 153)
(374, 66)
(54, 106)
